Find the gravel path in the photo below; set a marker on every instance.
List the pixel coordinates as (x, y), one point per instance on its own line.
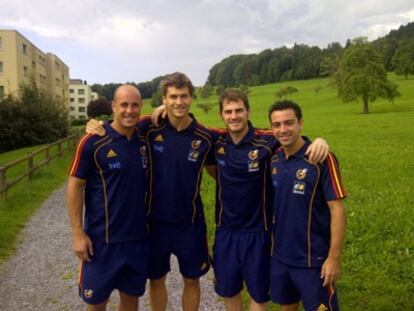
(42, 273)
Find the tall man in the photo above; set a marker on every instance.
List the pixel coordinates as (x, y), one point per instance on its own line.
(242, 244)
(309, 218)
(178, 150)
(110, 174)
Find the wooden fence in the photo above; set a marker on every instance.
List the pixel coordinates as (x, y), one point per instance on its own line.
(61, 145)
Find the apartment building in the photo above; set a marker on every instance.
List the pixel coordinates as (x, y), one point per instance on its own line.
(22, 62)
(80, 94)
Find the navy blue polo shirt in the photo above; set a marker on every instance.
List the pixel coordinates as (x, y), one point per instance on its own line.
(301, 213)
(115, 172)
(176, 163)
(243, 182)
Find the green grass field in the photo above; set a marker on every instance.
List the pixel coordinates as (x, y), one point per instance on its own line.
(375, 152)
(26, 197)
(376, 156)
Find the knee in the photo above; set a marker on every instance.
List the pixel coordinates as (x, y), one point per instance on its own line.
(157, 283)
(128, 299)
(191, 283)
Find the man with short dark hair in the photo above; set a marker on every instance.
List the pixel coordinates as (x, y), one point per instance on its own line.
(309, 218)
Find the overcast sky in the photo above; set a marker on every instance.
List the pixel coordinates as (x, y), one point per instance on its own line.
(132, 40)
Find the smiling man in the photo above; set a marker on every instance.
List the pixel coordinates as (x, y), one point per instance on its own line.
(309, 218)
(108, 175)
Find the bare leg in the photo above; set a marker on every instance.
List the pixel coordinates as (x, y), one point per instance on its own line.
(128, 302)
(100, 307)
(158, 294)
(191, 294)
(292, 307)
(234, 303)
(255, 306)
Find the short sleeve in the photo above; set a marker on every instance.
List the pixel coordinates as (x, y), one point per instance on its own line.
(144, 124)
(333, 188)
(82, 162)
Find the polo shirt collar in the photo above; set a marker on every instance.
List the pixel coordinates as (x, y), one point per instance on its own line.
(191, 127)
(111, 132)
(300, 153)
(246, 139)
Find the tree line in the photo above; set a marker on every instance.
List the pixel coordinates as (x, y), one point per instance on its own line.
(304, 62)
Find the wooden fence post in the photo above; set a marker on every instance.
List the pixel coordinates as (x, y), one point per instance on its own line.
(59, 146)
(47, 156)
(2, 182)
(30, 165)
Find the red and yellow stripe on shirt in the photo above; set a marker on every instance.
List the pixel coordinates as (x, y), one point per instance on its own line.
(335, 175)
(77, 156)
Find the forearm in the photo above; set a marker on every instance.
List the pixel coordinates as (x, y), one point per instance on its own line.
(338, 224)
(75, 207)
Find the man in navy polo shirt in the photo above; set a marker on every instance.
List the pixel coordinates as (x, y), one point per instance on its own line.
(309, 218)
(179, 148)
(108, 174)
(242, 244)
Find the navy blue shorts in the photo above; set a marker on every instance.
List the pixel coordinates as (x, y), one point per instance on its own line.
(290, 284)
(238, 257)
(122, 266)
(188, 242)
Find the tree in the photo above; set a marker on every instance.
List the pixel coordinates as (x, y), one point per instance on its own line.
(290, 90)
(156, 99)
(245, 89)
(403, 59)
(220, 90)
(361, 75)
(206, 107)
(206, 91)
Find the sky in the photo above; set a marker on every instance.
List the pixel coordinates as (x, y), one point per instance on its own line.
(105, 41)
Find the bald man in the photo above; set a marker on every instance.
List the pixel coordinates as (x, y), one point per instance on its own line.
(105, 176)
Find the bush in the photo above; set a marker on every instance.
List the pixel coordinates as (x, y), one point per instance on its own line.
(33, 118)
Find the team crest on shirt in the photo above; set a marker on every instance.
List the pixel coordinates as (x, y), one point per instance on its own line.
(322, 307)
(253, 166)
(111, 154)
(301, 174)
(253, 154)
(88, 293)
(299, 187)
(195, 144)
(193, 155)
(221, 150)
(159, 138)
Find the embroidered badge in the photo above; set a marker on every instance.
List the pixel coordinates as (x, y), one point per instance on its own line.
(253, 166)
(253, 154)
(299, 187)
(322, 307)
(159, 138)
(221, 150)
(193, 155)
(88, 293)
(274, 171)
(111, 154)
(301, 174)
(195, 144)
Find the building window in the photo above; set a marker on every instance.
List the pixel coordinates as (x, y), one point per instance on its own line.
(71, 91)
(81, 109)
(81, 100)
(1, 91)
(57, 82)
(1, 42)
(57, 66)
(72, 108)
(25, 71)
(81, 92)
(81, 117)
(24, 49)
(72, 100)
(1, 67)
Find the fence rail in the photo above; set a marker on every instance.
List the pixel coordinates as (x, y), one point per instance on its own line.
(32, 165)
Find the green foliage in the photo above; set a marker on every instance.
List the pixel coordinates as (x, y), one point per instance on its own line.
(220, 90)
(156, 99)
(205, 91)
(403, 59)
(361, 75)
(317, 89)
(244, 88)
(286, 91)
(206, 106)
(33, 118)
